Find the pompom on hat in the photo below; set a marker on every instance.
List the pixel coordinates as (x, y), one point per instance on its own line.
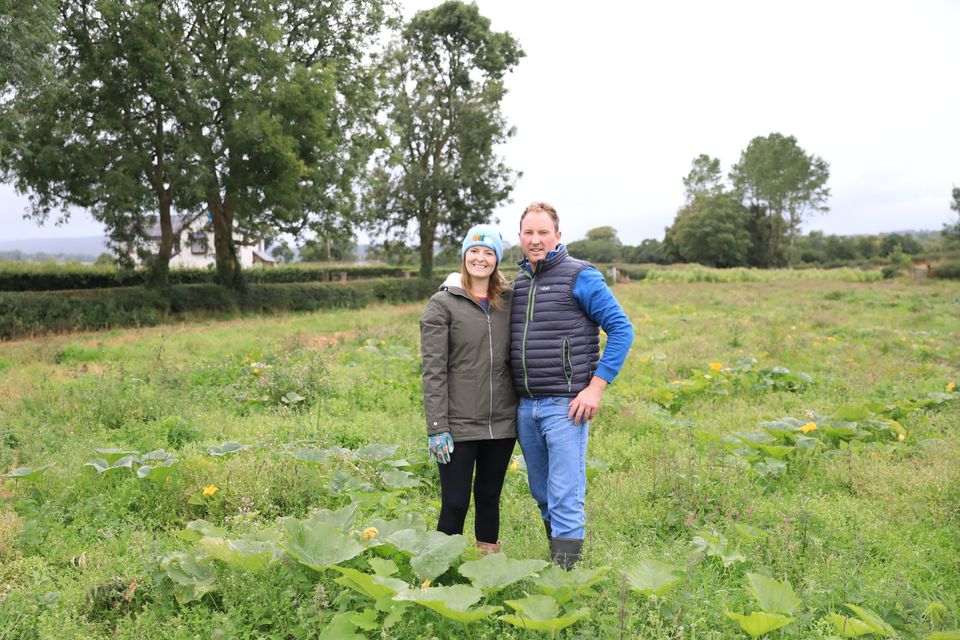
(483, 235)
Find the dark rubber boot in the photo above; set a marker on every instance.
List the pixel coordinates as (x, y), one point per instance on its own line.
(566, 552)
(546, 525)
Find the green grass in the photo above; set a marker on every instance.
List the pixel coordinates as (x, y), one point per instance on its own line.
(872, 522)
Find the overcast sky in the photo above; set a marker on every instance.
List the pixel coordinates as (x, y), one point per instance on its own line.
(614, 99)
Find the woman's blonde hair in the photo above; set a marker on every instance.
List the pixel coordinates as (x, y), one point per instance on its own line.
(496, 286)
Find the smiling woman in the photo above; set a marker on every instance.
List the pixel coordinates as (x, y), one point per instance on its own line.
(469, 401)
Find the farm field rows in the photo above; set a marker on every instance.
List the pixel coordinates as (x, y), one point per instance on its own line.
(776, 456)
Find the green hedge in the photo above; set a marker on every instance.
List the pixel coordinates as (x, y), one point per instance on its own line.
(25, 314)
(18, 277)
(946, 271)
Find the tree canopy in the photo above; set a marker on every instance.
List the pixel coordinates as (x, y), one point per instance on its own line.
(785, 183)
(444, 82)
(260, 113)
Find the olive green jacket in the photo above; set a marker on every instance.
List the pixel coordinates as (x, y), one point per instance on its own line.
(467, 384)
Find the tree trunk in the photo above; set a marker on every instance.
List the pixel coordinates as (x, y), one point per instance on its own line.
(228, 263)
(428, 233)
(159, 272)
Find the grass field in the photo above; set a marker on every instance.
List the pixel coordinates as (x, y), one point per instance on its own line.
(787, 449)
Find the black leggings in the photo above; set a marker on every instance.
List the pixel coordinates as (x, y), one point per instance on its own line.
(491, 458)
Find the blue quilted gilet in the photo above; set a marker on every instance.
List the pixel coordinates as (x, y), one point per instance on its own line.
(555, 346)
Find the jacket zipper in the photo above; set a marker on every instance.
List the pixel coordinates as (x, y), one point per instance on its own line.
(490, 339)
(531, 300)
(567, 363)
(490, 374)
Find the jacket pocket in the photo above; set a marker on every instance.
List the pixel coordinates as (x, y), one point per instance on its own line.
(462, 396)
(567, 362)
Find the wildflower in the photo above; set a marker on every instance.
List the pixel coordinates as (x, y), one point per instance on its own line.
(425, 585)
(716, 366)
(809, 415)
(383, 343)
(514, 466)
(831, 339)
(951, 386)
(901, 437)
(256, 371)
(810, 426)
(369, 533)
(211, 489)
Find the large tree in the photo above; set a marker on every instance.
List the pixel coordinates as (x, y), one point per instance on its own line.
(257, 110)
(952, 231)
(705, 178)
(600, 245)
(711, 230)
(444, 82)
(785, 183)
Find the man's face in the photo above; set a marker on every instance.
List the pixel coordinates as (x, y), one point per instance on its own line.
(538, 235)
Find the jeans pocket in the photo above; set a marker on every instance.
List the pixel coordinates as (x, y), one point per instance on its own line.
(559, 401)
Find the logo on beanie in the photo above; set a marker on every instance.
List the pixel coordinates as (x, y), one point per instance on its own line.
(481, 237)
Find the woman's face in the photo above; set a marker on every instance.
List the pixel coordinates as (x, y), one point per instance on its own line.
(480, 262)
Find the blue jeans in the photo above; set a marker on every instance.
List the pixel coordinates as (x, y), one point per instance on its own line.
(555, 451)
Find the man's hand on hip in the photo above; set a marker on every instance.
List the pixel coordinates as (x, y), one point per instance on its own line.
(587, 402)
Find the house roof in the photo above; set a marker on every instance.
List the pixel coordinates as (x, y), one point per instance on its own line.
(179, 224)
(264, 256)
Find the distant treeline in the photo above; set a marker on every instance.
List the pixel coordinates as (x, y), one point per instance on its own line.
(17, 276)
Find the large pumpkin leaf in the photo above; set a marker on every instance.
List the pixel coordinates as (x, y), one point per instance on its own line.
(342, 627)
(197, 529)
(437, 554)
(773, 595)
(30, 474)
(342, 518)
(318, 545)
(191, 578)
(849, 627)
(158, 471)
(450, 602)
(564, 586)
(320, 456)
(397, 479)
(539, 613)
(248, 555)
(112, 455)
(375, 452)
(103, 466)
(227, 448)
(874, 621)
(759, 622)
(386, 528)
(375, 587)
(496, 570)
(714, 544)
(653, 578)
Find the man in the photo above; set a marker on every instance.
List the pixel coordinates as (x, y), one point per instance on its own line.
(559, 305)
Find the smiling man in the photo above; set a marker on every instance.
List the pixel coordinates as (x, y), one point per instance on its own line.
(559, 305)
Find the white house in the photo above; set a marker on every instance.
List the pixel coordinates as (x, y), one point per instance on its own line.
(193, 244)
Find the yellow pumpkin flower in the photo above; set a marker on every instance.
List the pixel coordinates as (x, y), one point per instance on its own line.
(716, 366)
(951, 386)
(369, 533)
(209, 490)
(425, 585)
(810, 426)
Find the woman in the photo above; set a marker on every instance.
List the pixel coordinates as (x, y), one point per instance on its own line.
(468, 394)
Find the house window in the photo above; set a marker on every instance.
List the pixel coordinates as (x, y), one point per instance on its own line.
(198, 243)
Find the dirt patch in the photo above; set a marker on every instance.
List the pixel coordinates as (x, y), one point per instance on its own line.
(318, 341)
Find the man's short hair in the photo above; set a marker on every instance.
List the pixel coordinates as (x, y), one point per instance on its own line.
(545, 207)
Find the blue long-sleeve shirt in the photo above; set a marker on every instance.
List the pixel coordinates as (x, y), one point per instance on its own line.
(597, 300)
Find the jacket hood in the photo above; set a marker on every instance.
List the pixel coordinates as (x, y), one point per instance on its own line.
(453, 280)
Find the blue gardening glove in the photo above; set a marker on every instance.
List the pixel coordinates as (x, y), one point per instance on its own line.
(440, 446)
